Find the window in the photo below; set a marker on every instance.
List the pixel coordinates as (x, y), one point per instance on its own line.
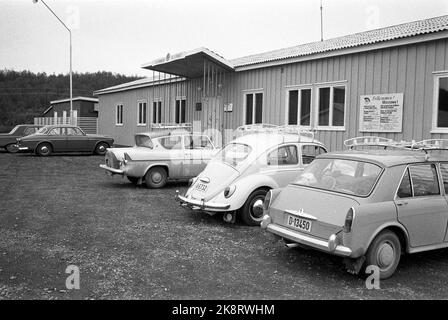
(141, 113)
(157, 112)
(119, 114)
(286, 155)
(197, 142)
(299, 107)
(71, 131)
(233, 154)
(310, 152)
(180, 110)
(424, 180)
(56, 131)
(30, 130)
(254, 107)
(440, 120)
(171, 143)
(444, 171)
(405, 189)
(331, 106)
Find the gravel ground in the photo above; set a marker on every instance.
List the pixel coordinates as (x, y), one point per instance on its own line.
(135, 243)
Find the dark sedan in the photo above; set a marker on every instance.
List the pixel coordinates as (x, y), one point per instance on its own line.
(8, 141)
(64, 138)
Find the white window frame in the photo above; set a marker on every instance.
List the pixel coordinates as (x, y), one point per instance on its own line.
(139, 110)
(253, 91)
(435, 102)
(157, 101)
(330, 85)
(119, 124)
(299, 107)
(180, 98)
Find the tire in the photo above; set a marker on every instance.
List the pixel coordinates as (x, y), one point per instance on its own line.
(156, 178)
(252, 211)
(384, 252)
(101, 148)
(12, 148)
(133, 180)
(44, 149)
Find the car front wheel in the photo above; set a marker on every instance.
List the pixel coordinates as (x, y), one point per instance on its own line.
(252, 211)
(156, 178)
(384, 252)
(101, 148)
(44, 149)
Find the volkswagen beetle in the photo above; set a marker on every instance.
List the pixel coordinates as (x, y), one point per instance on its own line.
(160, 156)
(237, 179)
(368, 206)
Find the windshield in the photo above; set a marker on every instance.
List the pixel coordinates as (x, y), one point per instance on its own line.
(14, 129)
(233, 154)
(345, 176)
(42, 130)
(143, 141)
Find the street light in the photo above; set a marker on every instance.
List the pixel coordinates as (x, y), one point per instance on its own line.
(70, 33)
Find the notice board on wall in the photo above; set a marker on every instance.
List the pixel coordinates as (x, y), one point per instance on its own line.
(381, 113)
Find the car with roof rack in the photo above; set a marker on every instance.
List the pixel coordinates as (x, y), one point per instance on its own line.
(367, 206)
(261, 158)
(160, 156)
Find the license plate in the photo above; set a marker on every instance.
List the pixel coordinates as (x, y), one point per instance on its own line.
(201, 187)
(299, 223)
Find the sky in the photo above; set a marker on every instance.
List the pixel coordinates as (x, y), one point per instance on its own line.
(121, 35)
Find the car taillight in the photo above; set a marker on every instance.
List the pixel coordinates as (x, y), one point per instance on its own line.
(190, 182)
(228, 191)
(349, 220)
(267, 200)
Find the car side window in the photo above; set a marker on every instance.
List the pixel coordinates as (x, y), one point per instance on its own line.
(285, 155)
(444, 171)
(171, 143)
(405, 189)
(424, 180)
(197, 142)
(55, 132)
(29, 131)
(310, 152)
(74, 132)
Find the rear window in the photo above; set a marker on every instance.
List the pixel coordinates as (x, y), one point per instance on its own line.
(143, 141)
(233, 154)
(339, 175)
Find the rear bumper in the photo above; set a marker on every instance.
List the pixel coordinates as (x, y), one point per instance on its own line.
(112, 170)
(201, 204)
(329, 246)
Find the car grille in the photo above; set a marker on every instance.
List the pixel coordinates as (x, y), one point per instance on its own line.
(111, 160)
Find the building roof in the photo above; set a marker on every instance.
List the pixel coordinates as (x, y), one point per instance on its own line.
(140, 83)
(90, 99)
(354, 40)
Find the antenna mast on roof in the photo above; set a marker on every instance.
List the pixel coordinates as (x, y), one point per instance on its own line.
(321, 23)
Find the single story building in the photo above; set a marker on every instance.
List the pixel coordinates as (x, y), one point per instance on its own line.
(390, 82)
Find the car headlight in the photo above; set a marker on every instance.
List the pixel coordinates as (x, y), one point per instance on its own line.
(228, 191)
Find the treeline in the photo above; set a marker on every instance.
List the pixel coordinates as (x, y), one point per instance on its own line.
(25, 95)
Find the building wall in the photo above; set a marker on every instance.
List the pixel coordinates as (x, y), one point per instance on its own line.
(84, 108)
(406, 69)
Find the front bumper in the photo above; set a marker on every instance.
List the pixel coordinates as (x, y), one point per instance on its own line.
(201, 204)
(112, 170)
(329, 246)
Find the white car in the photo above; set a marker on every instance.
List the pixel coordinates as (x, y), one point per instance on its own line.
(160, 156)
(237, 179)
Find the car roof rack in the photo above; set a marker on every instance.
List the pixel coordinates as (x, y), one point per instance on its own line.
(374, 141)
(257, 128)
(296, 129)
(431, 144)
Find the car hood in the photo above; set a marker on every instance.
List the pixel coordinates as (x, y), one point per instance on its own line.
(329, 208)
(216, 176)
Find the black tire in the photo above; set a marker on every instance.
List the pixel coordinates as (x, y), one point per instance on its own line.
(384, 252)
(251, 213)
(101, 148)
(12, 148)
(156, 178)
(133, 180)
(44, 149)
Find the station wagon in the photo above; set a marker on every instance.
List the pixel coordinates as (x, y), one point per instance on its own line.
(368, 206)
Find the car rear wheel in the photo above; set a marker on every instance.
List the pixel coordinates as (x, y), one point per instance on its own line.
(384, 252)
(101, 148)
(12, 148)
(156, 178)
(44, 149)
(134, 180)
(252, 211)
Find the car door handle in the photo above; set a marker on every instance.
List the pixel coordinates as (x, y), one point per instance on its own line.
(401, 203)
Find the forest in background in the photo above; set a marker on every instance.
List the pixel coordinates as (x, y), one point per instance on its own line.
(25, 95)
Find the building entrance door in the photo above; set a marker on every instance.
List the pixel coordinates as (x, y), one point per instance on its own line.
(212, 119)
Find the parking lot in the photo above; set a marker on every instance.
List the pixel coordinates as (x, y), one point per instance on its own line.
(135, 243)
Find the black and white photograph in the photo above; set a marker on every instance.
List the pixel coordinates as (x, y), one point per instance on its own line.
(222, 155)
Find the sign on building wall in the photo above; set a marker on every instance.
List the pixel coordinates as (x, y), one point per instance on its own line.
(381, 113)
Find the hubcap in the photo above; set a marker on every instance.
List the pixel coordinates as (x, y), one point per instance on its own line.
(386, 255)
(156, 177)
(257, 208)
(101, 148)
(44, 149)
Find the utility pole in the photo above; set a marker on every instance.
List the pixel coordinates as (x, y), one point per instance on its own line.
(321, 23)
